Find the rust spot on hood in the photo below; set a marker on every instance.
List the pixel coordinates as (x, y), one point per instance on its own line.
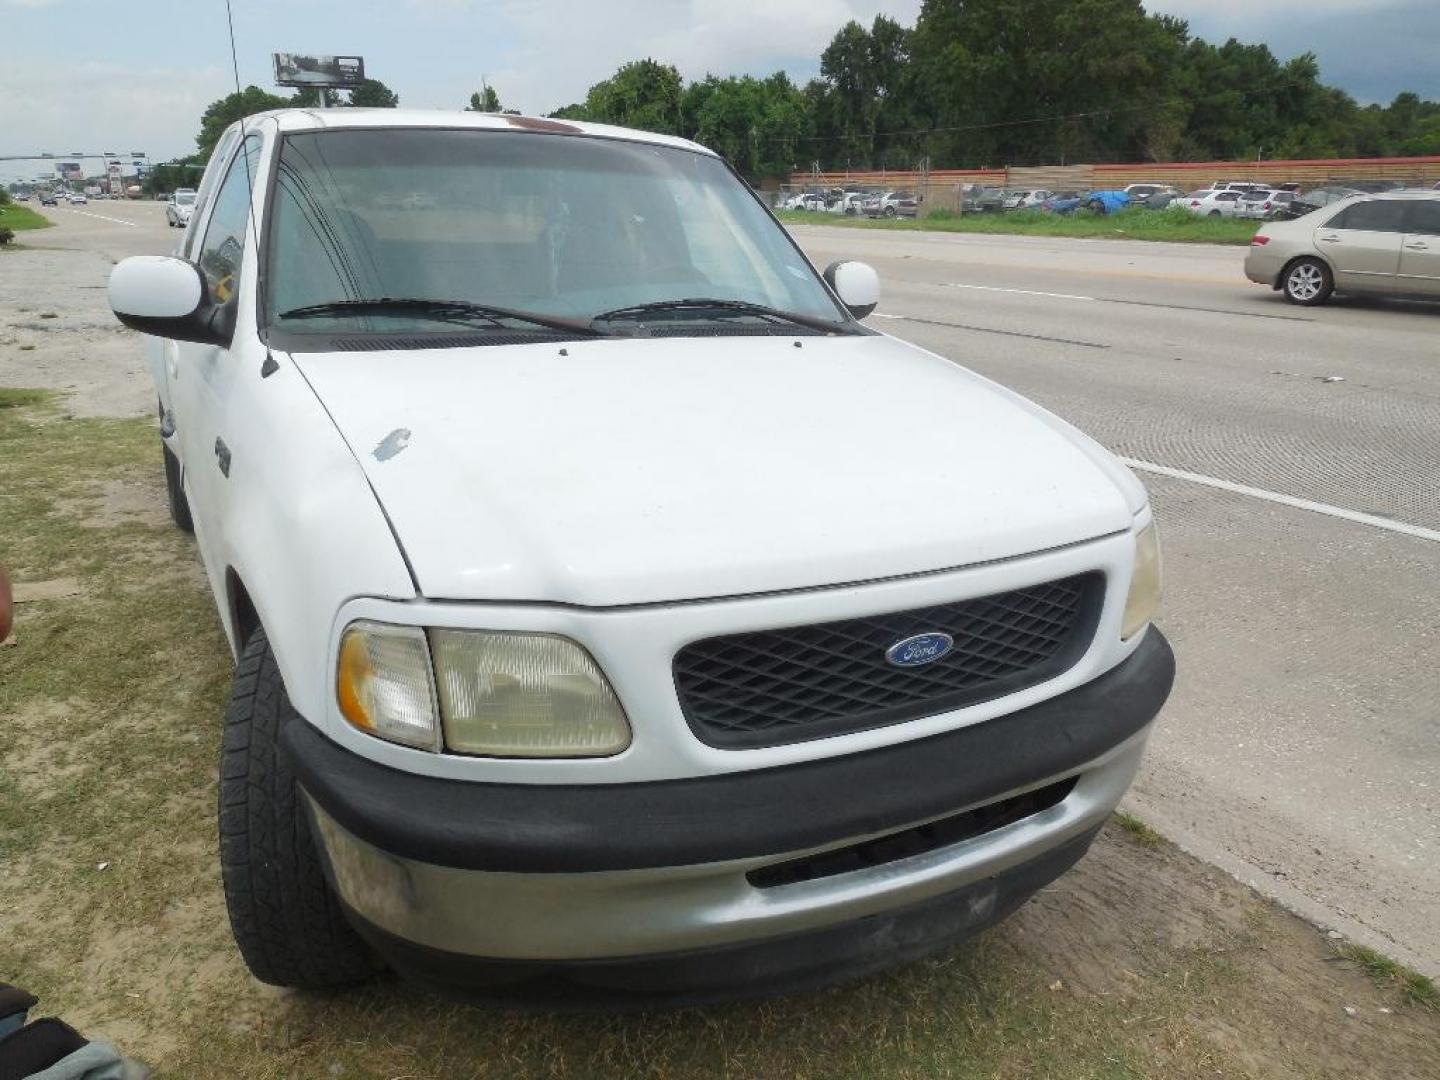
(536, 123)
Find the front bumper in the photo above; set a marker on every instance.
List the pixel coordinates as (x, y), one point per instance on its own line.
(530, 876)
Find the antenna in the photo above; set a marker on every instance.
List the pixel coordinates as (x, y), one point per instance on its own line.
(244, 154)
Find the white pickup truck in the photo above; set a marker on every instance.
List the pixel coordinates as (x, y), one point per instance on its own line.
(612, 609)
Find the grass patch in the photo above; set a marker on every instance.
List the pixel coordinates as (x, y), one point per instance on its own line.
(1176, 225)
(12, 398)
(1138, 829)
(1414, 988)
(19, 217)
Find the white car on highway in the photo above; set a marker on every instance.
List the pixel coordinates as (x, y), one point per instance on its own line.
(77, 198)
(178, 209)
(609, 603)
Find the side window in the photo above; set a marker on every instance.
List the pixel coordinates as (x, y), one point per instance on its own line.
(1378, 215)
(207, 187)
(1424, 217)
(1227, 196)
(224, 243)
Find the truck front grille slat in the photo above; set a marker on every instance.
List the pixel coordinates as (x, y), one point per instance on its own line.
(771, 687)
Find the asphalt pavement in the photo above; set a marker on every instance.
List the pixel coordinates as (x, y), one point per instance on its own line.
(1294, 460)
(1293, 456)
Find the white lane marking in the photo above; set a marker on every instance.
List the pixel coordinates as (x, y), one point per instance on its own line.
(884, 315)
(103, 217)
(1355, 516)
(1022, 292)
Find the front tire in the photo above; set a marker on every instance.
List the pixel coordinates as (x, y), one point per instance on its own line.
(286, 921)
(175, 492)
(1307, 282)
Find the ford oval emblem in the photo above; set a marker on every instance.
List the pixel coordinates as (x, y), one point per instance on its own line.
(920, 649)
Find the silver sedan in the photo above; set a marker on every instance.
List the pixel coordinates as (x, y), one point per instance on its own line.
(1387, 243)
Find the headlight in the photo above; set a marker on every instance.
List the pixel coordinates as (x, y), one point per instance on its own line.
(525, 695)
(1143, 603)
(384, 683)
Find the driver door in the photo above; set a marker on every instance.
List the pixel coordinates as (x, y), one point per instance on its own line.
(202, 375)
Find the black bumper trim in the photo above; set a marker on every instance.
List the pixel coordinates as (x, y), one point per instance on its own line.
(768, 967)
(573, 828)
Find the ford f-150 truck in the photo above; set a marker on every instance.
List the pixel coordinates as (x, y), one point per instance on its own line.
(613, 611)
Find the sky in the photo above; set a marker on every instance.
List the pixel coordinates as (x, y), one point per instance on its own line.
(101, 75)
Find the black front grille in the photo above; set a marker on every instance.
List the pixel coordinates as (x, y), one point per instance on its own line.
(771, 687)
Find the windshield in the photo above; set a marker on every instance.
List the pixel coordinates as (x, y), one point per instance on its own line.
(563, 226)
(184, 200)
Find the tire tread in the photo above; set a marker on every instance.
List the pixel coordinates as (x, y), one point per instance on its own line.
(285, 919)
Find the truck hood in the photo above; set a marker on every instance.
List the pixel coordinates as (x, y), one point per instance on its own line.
(631, 471)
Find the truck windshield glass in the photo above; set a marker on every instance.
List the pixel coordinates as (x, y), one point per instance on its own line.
(566, 226)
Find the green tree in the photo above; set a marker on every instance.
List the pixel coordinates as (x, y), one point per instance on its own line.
(643, 94)
(312, 97)
(486, 100)
(221, 114)
(373, 94)
(1014, 82)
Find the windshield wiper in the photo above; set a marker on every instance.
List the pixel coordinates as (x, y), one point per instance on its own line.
(447, 310)
(725, 309)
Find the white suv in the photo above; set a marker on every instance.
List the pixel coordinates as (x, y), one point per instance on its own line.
(607, 601)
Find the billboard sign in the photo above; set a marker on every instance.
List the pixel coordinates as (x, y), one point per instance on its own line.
(293, 69)
(70, 170)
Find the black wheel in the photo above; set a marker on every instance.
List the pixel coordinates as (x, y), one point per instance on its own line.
(175, 493)
(889, 211)
(1097, 207)
(1214, 213)
(1307, 282)
(287, 922)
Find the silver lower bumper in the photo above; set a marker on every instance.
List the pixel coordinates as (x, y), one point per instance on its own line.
(630, 913)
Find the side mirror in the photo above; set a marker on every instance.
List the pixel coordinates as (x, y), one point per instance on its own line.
(856, 284)
(164, 296)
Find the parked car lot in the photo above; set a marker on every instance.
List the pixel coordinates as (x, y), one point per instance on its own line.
(1387, 244)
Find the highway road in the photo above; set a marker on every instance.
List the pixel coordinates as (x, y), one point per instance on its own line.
(1293, 456)
(1294, 460)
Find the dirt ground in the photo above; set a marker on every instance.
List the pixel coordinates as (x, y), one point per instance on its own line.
(1142, 962)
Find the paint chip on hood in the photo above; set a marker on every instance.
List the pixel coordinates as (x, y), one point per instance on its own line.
(392, 444)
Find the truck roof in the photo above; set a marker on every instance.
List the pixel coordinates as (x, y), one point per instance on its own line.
(290, 120)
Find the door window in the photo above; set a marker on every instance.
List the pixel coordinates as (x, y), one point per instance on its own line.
(1424, 217)
(1378, 215)
(207, 188)
(220, 254)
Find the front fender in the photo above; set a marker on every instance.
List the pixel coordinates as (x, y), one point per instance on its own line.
(301, 528)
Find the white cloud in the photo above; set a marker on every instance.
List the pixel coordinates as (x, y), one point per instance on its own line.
(565, 47)
(61, 108)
